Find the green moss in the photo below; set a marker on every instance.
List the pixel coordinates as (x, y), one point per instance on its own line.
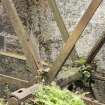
(51, 95)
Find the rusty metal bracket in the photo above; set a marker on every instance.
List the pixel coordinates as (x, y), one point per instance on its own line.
(59, 20)
(22, 94)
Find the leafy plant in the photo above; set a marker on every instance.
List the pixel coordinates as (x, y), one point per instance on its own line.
(53, 95)
(79, 62)
(85, 70)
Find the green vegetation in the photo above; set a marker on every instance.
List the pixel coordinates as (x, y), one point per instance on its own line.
(85, 70)
(53, 95)
(2, 102)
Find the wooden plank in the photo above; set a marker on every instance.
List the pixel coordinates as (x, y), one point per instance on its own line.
(69, 45)
(90, 101)
(24, 38)
(96, 48)
(20, 57)
(61, 25)
(15, 81)
(13, 55)
(59, 20)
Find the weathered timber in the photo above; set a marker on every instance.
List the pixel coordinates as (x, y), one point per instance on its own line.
(69, 45)
(96, 48)
(90, 101)
(59, 20)
(28, 49)
(61, 25)
(19, 56)
(13, 55)
(14, 81)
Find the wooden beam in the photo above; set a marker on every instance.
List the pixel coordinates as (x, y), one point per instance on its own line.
(59, 20)
(20, 57)
(61, 25)
(69, 45)
(13, 55)
(91, 101)
(28, 49)
(96, 48)
(14, 81)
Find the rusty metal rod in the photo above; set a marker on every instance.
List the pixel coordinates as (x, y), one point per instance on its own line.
(90, 101)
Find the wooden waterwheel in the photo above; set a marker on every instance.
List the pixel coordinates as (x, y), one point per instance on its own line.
(32, 56)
